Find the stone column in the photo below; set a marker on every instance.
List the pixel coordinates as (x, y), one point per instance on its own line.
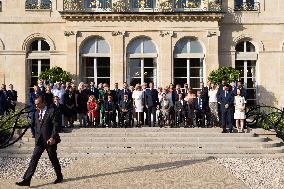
(212, 53)
(118, 59)
(72, 56)
(165, 59)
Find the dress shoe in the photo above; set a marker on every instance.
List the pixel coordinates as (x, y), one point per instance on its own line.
(23, 183)
(224, 131)
(58, 180)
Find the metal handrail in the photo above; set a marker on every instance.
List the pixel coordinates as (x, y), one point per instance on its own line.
(258, 114)
(10, 139)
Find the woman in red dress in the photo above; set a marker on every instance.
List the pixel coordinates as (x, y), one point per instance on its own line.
(93, 114)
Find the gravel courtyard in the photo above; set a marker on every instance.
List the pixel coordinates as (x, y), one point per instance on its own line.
(151, 172)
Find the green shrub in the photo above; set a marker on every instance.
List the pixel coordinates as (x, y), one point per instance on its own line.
(55, 74)
(228, 73)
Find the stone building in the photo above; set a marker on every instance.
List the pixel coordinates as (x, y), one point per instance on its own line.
(179, 41)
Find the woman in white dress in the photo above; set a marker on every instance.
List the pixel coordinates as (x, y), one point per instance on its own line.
(239, 115)
(213, 105)
(138, 103)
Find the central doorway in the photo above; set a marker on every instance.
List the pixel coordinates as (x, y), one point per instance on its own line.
(142, 61)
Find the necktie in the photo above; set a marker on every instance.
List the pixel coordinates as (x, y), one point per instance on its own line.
(40, 116)
(225, 94)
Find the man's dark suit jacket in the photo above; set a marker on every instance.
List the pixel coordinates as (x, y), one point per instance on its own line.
(151, 98)
(122, 93)
(48, 127)
(180, 106)
(229, 99)
(126, 105)
(197, 106)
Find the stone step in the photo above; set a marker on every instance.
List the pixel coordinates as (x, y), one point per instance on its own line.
(161, 151)
(153, 134)
(243, 144)
(68, 139)
(138, 130)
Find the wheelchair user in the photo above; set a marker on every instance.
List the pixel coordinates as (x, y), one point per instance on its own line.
(110, 115)
(179, 109)
(200, 110)
(126, 111)
(165, 105)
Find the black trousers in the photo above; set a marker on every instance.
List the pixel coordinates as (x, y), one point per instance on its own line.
(110, 118)
(151, 110)
(38, 150)
(227, 119)
(200, 118)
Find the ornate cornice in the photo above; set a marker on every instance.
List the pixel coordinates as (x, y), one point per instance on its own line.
(112, 17)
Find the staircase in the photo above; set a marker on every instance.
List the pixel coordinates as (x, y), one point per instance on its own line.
(94, 142)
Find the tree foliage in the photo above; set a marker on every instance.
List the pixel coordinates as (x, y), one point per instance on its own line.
(55, 74)
(228, 73)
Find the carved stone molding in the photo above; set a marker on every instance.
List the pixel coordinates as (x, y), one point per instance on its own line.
(167, 33)
(213, 33)
(68, 33)
(117, 33)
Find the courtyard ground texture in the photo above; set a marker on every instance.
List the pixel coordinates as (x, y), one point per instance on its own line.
(151, 172)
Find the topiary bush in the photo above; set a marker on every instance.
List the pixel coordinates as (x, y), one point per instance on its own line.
(228, 73)
(55, 74)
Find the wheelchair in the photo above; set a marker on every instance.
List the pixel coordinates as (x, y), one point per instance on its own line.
(125, 120)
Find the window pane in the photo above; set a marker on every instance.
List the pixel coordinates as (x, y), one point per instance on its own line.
(251, 83)
(103, 80)
(194, 82)
(103, 46)
(34, 46)
(180, 72)
(195, 72)
(149, 72)
(250, 46)
(240, 47)
(181, 46)
(135, 81)
(180, 81)
(180, 62)
(148, 80)
(45, 65)
(34, 81)
(34, 68)
(195, 47)
(134, 67)
(149, 62)
(196, 62)
(44, 46)
(149, 46)
(89, 80)
(251, 93)
(135, 47)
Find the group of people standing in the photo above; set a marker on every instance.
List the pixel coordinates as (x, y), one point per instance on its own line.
(99, 106)
(8, 99)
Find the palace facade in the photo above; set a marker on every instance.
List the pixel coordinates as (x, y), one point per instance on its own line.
(165, 41)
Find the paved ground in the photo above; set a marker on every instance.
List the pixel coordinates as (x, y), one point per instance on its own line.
(141, 172)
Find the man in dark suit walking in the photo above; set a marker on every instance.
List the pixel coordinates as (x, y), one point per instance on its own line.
(47, 121)
(151, 102)
(226, 101)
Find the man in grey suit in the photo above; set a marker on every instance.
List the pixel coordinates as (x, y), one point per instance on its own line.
(47, 122)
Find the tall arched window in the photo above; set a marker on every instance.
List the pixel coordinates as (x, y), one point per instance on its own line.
(246, 58)
(95, 58)
(38, 59)
(188, 62)
(142, 61)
